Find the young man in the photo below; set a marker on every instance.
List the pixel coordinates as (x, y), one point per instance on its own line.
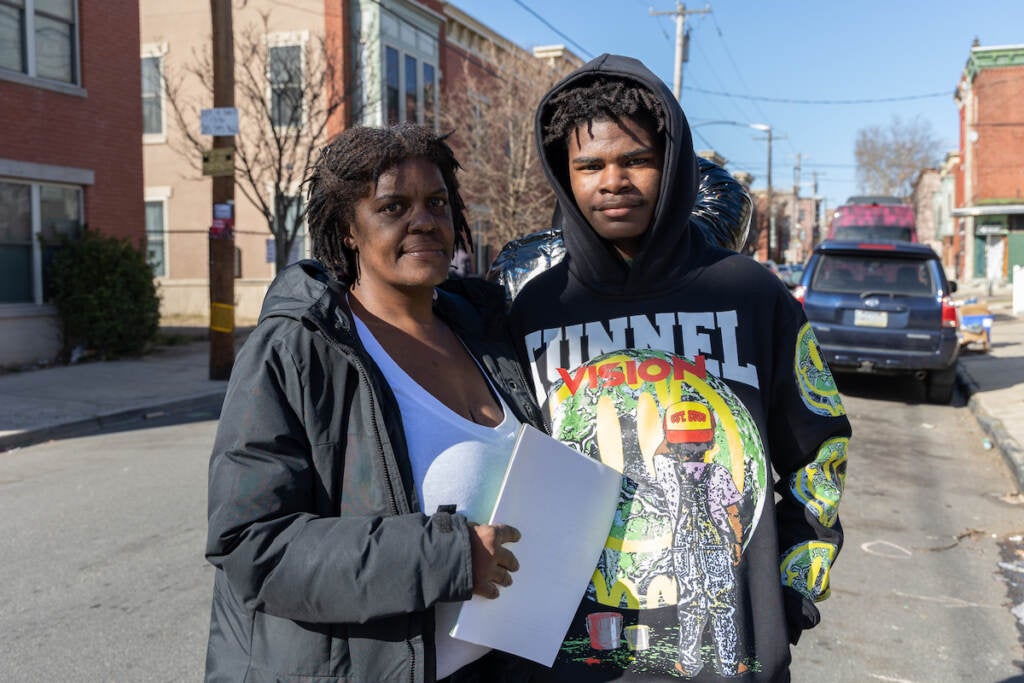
(645, 336)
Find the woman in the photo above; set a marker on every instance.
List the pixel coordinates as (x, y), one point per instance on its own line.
(367, 397)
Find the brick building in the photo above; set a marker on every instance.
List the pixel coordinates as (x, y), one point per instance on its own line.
(989, 236)
(393, 61)
(70, 151)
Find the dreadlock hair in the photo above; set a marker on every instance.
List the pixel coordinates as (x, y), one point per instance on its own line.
(603, 98)
(348, 169)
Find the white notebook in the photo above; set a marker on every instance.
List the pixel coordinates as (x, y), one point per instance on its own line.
(563, 503)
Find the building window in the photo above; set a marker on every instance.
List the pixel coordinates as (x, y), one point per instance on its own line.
(156, 245)
(298, 250)
(28, 212)
(12, 35)
(152, 96)
(39, 38)
(291, 208)
(411, 89)
(410, 56)
(429, 94)
(418, 105)
(15, 242)
(391, 108)
(284, 63)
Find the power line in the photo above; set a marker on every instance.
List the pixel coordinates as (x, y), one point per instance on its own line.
(735, 66)
(786, 100)
(547, 23)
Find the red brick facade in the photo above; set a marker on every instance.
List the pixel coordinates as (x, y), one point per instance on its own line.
(98, 130)
(989, 232)
(999, 172)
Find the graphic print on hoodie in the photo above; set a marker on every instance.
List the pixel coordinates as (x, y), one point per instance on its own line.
(695, 374)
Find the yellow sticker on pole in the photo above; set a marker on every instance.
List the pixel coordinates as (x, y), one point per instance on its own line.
(222, 318)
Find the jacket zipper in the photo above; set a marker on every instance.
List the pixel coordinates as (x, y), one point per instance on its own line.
(364, 381)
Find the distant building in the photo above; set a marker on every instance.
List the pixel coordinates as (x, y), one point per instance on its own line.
(922, 196)
(70, 150)
(947, 226)
(990, 176)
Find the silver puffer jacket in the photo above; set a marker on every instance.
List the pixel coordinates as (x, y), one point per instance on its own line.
(722, 213)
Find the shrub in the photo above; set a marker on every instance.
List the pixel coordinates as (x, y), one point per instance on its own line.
(105, 295)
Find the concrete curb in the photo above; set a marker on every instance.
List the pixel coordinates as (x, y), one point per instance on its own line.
(1011, 451)
(96, 423)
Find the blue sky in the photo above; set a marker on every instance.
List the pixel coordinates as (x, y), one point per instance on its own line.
(816, 56)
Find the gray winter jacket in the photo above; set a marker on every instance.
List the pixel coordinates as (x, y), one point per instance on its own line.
(327, 569)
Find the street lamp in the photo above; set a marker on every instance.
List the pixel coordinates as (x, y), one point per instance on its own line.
(765, 128)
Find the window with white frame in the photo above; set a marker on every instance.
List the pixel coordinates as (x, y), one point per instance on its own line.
(298, 250)
(39, 38)
(33, 219)
(410, 83)
(153, 94)
(286, 80)
(290, 207)
(156, 241)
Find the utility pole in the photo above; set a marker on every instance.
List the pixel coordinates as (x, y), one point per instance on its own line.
(772, 237)
(680, 13)
(819, 213)
(222, 242)
(796, 174)
(795, 219)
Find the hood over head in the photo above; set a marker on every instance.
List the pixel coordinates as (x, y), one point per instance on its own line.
(669, 247)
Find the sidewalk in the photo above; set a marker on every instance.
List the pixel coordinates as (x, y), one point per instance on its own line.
(67, 401)
(75, 400)
(994, 383)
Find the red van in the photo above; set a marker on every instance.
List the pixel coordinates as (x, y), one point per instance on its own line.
(873, 218)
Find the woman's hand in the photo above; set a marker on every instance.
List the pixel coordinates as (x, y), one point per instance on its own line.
(492, 563)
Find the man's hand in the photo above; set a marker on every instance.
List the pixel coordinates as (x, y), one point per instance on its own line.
(492, 563)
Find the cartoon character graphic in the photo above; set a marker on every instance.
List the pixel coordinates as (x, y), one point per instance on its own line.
(703, 502)
(691, 497)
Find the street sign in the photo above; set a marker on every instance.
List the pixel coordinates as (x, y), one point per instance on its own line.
(219, 161)
(221, 228)
(219, 121)
(996, 229)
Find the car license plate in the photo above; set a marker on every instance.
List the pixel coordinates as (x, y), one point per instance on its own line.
(870, 318)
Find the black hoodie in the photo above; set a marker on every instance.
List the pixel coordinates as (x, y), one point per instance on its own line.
(694, 372)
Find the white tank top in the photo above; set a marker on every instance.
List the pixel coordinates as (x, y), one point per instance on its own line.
(455, 461)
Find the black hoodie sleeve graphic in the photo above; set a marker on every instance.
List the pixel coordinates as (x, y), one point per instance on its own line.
(809, 434)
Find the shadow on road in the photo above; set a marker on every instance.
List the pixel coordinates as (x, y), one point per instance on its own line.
(895, 388)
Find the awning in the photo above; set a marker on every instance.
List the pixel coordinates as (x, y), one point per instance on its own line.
(989, 210)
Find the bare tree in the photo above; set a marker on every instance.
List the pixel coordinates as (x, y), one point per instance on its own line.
(491, 113)
(288, 96)
(889, 158)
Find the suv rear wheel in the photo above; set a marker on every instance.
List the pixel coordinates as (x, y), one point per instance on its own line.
(939, 385)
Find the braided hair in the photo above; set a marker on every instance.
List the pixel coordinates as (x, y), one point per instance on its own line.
(603, 98)
(347, 170)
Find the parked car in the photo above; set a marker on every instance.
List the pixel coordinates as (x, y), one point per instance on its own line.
(883, 308)
(791, 273)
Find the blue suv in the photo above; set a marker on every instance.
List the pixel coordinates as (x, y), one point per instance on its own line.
(883, 307)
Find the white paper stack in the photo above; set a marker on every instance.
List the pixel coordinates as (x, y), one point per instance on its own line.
(563, 503)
